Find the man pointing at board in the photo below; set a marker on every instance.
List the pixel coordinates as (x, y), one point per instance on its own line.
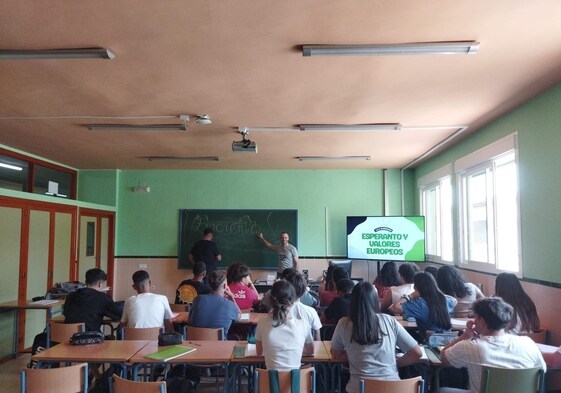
(288, 255)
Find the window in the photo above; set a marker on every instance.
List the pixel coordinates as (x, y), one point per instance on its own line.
(22, 173)
(488, 203)
(435, 190)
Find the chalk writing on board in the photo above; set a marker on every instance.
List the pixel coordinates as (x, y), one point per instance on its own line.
(239, 225)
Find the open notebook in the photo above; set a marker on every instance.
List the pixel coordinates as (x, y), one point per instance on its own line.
(170, 352)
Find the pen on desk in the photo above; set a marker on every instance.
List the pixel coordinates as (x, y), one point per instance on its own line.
(192, 343)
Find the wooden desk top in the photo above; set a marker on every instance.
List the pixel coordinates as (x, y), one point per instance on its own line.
(254, 317)
(321, 354)
(118, 351)
(206, 352)
(27, 305)
(457, 323)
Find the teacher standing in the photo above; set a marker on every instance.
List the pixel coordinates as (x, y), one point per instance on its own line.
(288, 255)
(205, 250)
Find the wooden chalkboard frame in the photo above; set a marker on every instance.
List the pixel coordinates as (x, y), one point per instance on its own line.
(235, 234)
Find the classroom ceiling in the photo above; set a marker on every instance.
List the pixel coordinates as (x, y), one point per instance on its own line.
(241, 63)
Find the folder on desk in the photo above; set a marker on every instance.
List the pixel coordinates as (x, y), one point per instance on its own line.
(171, 352)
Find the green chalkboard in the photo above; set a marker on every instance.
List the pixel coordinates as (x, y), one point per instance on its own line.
(235, 234)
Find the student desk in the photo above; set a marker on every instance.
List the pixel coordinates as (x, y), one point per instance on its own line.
(457, 323)
(252, 318)
(206, 352)
(17, 305)
(109, 351)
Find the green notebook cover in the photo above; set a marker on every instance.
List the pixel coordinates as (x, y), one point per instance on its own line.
(170, 352)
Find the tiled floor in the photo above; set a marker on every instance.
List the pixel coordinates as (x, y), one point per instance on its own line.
(10, 372)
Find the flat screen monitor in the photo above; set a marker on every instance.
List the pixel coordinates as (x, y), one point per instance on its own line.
(386, 238)
(345, 264)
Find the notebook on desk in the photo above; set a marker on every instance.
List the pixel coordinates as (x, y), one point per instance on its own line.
(44, 302)
(170, 352)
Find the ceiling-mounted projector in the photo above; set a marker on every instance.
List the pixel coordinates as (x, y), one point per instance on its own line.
(245, 145)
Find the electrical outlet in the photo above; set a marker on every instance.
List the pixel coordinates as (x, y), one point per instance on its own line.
(153, 287)
(143, 266)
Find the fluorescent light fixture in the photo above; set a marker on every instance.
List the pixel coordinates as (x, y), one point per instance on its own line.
(13, 167)
(414, 48)
(171, 158)
(136, 127)
(334, 158)
(77, 53)
(351, 127)
(241, 130)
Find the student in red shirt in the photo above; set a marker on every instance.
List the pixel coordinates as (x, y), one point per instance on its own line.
(241, 286)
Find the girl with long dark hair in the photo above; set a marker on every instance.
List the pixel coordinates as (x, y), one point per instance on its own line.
(367, 340)
(281, 338)
(525, 319)
(388, 277)
(428, 305)
(452, 283)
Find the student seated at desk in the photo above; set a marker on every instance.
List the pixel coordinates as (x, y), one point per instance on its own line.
(388, 277)
(368, 340)
(92, 303)
(406, 273)
(526, 319)
(428, 305)
(146, 310)
(217, 309)
(189, 289)
(240, 284)
(328, 290)
(340, 306)
(486, 342)
(452, 283)
(280, 336)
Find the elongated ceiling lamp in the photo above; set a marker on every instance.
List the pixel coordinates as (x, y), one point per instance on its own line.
(77, 53)
(328, 127)
(414, 48)
(333, 158)
(136, 127)
(172, 158)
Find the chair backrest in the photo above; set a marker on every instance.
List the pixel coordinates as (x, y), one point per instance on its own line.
(539, 336)
(130, 333)
(512, 380)
(179, 307)
(61, 332)
(411, 385)
(120, 385)
(463, 310)
(69, 379)
(261, 382)
(198, 333)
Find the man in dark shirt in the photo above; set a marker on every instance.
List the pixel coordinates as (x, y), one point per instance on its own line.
(206, 250)
(189, 289)
(91, 304)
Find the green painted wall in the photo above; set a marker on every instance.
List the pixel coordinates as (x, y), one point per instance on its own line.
(98, 186)
(538, 124)
(147, 223)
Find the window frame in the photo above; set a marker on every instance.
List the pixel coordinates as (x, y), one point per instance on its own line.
(33, 162)
(434, 181)
(486, 159)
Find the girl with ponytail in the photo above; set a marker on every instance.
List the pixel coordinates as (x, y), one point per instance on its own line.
(280, 337)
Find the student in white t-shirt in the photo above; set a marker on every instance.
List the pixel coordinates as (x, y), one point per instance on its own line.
(486, 342)
(146, 309)
(280, 336)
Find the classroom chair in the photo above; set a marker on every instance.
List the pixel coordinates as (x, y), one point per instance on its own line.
(59, 332)
(301, 380)
(179, 307)
(130, 333)
(69, 379)
(120, 385)
(539, 336)
(208, 334)
(512, 380)
(411, 385)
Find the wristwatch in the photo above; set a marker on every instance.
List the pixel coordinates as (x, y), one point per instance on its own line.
(406, 297)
